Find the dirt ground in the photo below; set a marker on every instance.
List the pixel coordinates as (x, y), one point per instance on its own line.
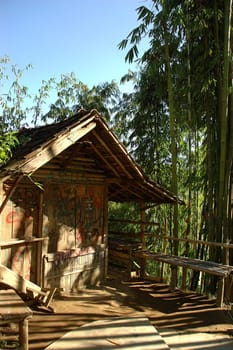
(178, 311)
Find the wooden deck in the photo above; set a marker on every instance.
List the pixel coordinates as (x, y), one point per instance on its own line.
(126, 333)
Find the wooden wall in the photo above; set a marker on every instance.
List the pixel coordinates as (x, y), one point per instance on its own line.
(68, 221)
(73, 222)
(19, 222)
(74, 269)
(72, 216)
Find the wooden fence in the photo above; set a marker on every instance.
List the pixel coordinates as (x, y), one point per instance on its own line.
(161, 245)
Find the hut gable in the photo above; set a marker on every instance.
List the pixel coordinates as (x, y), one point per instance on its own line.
(84, 144)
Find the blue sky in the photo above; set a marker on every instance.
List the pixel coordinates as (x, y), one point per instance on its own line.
(63, 36)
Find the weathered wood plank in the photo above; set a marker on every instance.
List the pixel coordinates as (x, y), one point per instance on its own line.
(194, 264)
(11, 243)
(22, 285)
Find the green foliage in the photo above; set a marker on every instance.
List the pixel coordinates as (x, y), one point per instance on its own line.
(12, 108)
(72, 95)
(123, 211)
(12, 101)
(61, 98)
(7, 143)
(195, 42)
(40, 101)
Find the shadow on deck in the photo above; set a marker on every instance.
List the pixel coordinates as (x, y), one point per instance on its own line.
(178, 311)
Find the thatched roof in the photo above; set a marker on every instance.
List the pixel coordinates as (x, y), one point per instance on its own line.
(84, 143)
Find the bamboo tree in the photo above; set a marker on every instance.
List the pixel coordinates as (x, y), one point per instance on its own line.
(224, 122)
(229, 228)
(174, 186)
(189, 115)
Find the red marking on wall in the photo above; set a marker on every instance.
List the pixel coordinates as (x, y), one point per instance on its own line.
(14, 216)
(21, 262)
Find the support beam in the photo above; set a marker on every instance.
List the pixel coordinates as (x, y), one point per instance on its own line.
(10, 193)
(184, 276)
(220, 291)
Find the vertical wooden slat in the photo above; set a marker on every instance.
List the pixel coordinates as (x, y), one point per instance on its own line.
(220, 291)
(129, 262)
(39, 245)
(173, 281)
(23, 334)
(164, 249)
(184, 276)
(105, 230)
(227, 253)
(143, 219)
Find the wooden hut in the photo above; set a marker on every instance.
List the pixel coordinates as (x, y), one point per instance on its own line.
(54, 195)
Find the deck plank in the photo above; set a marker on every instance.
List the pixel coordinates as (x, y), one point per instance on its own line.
(126, 333)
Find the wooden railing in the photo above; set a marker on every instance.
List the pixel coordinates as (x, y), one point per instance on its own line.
(188, 247)
(227, 246)
(164, 239)
(128, 251)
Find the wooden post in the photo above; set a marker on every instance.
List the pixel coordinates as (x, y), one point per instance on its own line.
(23, 334)
(14, 310)
(105, 230)
(173, 277)
(220, 291)
(228, 288)
(164, 249)
(143, 216)
(184, 276)
(227, 253)
(129, 267)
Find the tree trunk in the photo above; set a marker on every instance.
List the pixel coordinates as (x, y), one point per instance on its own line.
(224, 171)
(174, 186)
